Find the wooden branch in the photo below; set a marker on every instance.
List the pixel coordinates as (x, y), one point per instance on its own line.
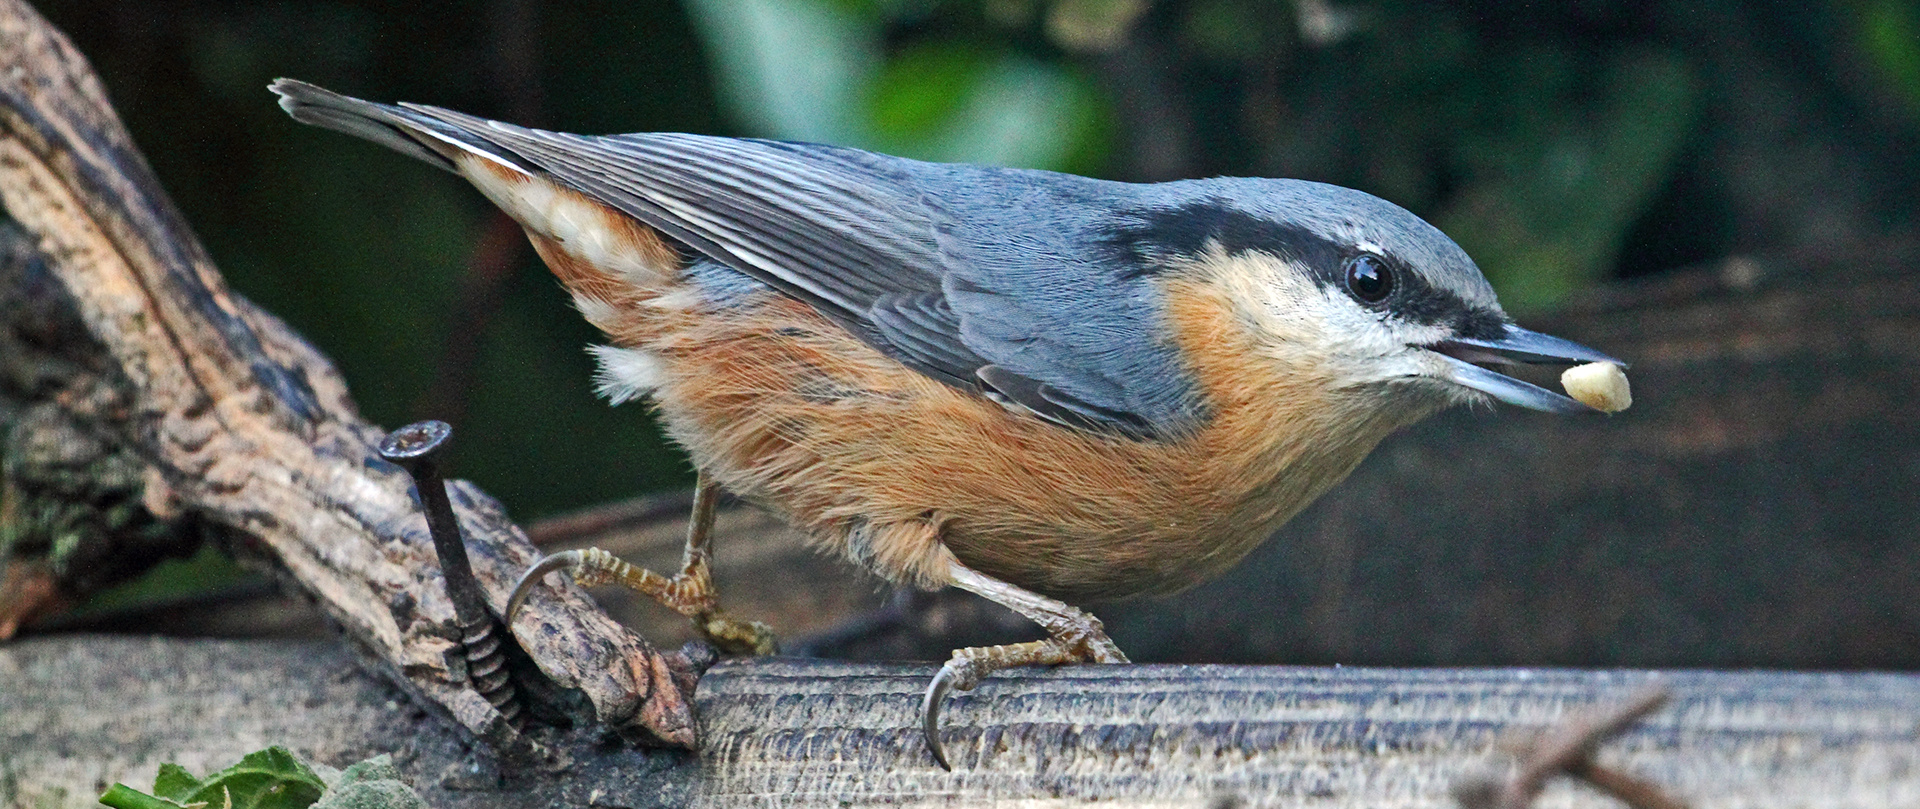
(810, 733)
(233, 420)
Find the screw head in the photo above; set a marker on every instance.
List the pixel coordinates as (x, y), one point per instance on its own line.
(414, 441)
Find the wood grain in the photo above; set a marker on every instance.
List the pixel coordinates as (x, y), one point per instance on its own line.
(783, 732)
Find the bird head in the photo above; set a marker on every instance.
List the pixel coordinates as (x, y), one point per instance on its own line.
(1371, 296)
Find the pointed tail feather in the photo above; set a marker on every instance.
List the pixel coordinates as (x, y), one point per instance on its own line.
(406, 131)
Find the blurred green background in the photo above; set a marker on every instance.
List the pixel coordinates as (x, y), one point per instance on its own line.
(1563, 144)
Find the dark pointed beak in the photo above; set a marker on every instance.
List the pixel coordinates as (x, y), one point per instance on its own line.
(1517, 345)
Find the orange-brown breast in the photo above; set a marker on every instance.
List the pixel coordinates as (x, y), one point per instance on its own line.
(785, 407)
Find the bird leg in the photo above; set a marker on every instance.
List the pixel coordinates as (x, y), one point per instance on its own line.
(1077, 637)
(690, 592)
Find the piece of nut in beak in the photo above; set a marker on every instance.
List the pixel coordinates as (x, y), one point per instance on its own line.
(1599, 385)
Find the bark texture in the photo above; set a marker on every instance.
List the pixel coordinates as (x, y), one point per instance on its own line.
(138, 368)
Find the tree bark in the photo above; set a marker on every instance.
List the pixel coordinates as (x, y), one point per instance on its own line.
(207, 410)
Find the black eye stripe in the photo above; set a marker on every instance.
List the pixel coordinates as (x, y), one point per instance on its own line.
(1141, 241)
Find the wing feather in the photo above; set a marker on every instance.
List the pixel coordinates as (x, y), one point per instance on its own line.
(986, 279)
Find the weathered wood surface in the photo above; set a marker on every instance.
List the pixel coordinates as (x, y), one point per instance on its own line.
(218, 414)
(84, 711)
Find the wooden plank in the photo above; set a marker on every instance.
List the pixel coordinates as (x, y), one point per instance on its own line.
(82, 710)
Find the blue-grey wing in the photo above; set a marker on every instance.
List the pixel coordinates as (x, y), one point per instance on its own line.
(986, 279)
(788, 214)
(1042, 294)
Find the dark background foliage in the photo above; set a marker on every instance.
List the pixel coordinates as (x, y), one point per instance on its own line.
(1563, 144)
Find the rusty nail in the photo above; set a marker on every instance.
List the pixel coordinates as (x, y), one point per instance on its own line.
(416, 448)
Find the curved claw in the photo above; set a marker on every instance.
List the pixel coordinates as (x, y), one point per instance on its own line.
(564, 560)
(937, 691)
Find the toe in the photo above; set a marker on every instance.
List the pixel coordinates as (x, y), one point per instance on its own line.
(565, 560)
(943, 684)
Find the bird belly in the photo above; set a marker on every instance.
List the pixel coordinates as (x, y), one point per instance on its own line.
(905, 474)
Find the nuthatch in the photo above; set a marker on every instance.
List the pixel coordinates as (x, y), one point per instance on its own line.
(1032, 386)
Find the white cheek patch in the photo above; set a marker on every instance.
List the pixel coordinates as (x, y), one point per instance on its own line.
(1354, 330)
(1302, 319)
(625, 374)
(566, 217)
(1378, 348)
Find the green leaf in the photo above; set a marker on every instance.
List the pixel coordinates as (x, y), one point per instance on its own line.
(175, 783)
(269, 779)
(121, 796)
(272, 779)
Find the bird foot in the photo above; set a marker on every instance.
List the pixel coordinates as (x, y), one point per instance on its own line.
(690, 593)
(1086, 643)
(734, 636)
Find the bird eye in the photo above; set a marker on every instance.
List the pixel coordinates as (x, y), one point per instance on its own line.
(1369, 278)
